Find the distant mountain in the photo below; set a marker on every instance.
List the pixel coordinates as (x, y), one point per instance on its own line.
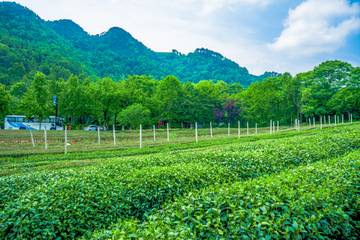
(60, 48)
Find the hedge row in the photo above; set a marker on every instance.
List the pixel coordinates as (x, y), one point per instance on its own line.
(317, 201)
(75, 202)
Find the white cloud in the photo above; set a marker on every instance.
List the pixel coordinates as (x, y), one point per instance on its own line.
(211, 5)
(317, 26)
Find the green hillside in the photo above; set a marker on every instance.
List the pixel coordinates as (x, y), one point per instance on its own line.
(61, 48)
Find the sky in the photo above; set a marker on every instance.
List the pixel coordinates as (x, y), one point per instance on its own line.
(262, 35)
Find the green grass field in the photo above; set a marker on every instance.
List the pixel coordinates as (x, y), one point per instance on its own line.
(288, 185)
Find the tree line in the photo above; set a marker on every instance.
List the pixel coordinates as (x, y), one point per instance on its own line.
(331, 88)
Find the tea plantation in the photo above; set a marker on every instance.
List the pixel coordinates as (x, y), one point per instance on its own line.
(294, 186)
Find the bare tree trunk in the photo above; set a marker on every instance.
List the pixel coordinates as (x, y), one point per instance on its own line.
(169, 118)
(71, 121)
(115, 121)
(105, 118)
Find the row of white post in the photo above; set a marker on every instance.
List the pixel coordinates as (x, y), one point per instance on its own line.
(272, 129)
(336, 120)
(168, 135)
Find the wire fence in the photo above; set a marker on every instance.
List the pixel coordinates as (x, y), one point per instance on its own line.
(19, 142)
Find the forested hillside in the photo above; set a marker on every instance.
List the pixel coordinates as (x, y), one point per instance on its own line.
(331, 88)
(113, 78)
(60, 48)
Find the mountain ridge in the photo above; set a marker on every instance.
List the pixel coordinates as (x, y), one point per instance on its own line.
(115, 53)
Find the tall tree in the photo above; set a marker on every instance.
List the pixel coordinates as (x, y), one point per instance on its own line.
(262, 101)
(168, 94)
(135, 115)
(322, 83)
(70, 100)
(4, 100)
(36, 100)
(346, 100)
(208, 97)
(188, 103)
(106, 98)
(86, 100)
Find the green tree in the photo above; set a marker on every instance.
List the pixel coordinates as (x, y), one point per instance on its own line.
(321, 84)
(36, 100)
(70, 99)
(188, 103)
(168, 94)
(262, 101)
(292, 95)
(135, 115)
(18, 89)
(86, 100)
(346, 100)
(139, 89)
(208, 97)
(4, 100)
(106, 99)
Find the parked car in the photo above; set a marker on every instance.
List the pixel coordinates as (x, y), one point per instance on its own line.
(91, 128)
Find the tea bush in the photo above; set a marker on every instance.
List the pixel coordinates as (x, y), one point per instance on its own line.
(73, 203)
(317, 201)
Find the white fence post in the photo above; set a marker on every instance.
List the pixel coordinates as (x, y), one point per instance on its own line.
(298, 123)
(278, 125)
(351, 118)
(329, 120)
(196, 133)
(309, 122)
(211, 130)
(154, 133)
(320, 122)
(238, 129)
(274, 130)
(65, 140)
(247, 128)
(140, 136)
(314, 121)
(255, 128)
(168, 135)
(114, 134)
(99, 135)
(335, 119)
(32, 138)
(270, 126)
(45, 137)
